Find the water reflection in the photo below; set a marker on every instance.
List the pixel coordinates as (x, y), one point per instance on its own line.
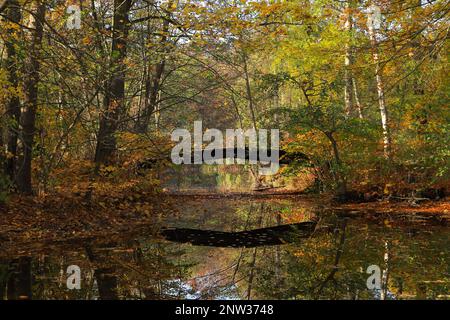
(315, 265)
(243, 239)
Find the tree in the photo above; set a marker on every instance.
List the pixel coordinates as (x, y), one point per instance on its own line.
(373, 27)
(14, 16)
(115, 87)
(30, 105)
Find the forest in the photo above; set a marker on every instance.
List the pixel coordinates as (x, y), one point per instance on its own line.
(91, 93)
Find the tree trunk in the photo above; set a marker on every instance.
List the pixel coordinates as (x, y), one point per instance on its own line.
(14, 16)
(152, 95)
(31, 81)
(248, 88)
(357, 101)
(348, 61)
(251, 106)
(152, 88)
(381, 98)
(115, 88)
(341, 189)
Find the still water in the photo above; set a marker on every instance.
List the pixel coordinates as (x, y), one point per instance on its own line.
(243, 248)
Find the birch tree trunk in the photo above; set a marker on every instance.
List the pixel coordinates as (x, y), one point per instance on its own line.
(381, 97)
(357, 101)
(348, 61)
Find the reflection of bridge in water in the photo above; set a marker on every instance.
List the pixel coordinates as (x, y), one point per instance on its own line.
(249, 239)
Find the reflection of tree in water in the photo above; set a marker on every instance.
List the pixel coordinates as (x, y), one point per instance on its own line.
(333, 266)
(157, 271)
(15, 279)
(147, 271)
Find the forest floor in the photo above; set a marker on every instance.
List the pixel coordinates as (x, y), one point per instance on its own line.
(31, 222)
(27, 222)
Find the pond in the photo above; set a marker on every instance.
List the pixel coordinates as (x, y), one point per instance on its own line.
(221, 247)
